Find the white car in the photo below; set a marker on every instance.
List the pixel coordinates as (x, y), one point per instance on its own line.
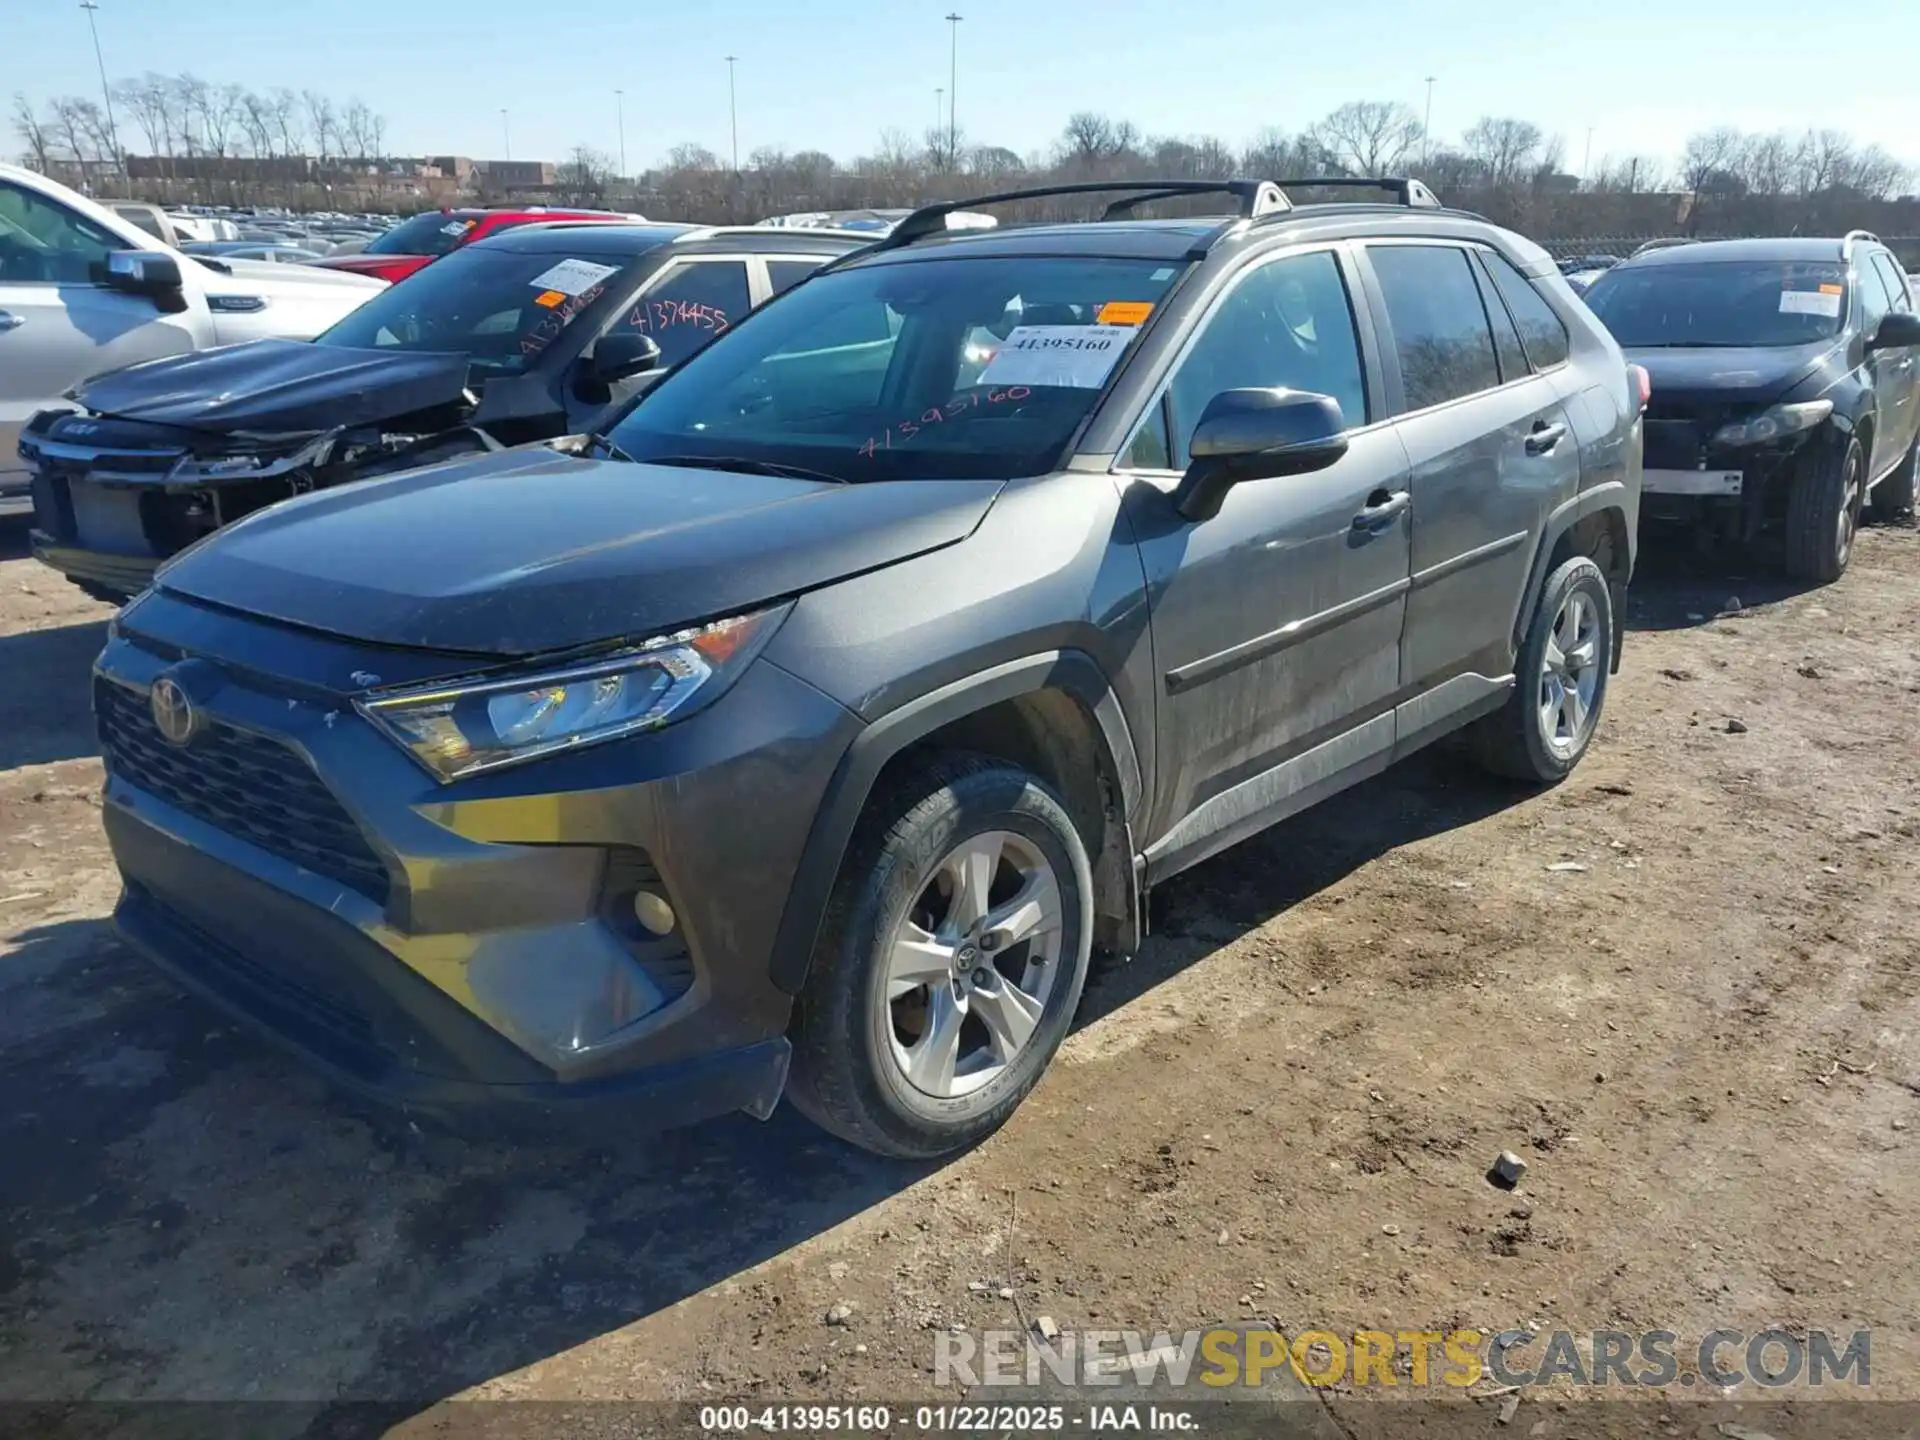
(84, 290)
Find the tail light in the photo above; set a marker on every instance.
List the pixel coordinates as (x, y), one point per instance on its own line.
(1643, 382)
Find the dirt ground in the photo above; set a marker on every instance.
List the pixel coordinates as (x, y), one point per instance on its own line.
(1705, 1041)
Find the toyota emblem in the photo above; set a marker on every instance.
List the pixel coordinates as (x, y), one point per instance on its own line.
(174, 714)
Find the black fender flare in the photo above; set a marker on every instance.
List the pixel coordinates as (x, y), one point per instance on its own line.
(1072, 671)
(1609, 495)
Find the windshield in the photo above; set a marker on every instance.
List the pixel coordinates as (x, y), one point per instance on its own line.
(500, 308)
(950, 368)
(1721, 303)
(433, 232)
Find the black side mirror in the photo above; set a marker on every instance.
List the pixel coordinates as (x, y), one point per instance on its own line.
(1896, 329)
(148, 273)
(1254, 435)
(621, 356)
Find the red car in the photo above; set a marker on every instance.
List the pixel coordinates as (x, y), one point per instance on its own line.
(433, 233)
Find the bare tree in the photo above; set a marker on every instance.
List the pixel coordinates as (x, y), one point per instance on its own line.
(288, 121)
(356, 129)
(256, 123)
(1768, 164)
(584, 178)
(1713, 160)
(1508, 152)
(32, 131)
(147, 100)
(321, 123)
(1369, 137)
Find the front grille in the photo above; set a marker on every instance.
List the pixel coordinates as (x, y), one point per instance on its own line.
(247, 785)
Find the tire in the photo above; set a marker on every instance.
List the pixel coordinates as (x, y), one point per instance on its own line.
(1525, 739)
(865, 1065)
(1823, 510)
(1893, 497)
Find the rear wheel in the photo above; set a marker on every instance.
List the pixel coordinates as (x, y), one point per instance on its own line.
(951, 962)
(1893, 496)
(1823, 510)
(1560, 681)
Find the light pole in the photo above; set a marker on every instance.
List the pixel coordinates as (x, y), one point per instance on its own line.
(1586, 161)
(620, 108)
(506, 134)
(733, 111)
(939, 111)
(953, 87)
(1426, 126)
(106, 92)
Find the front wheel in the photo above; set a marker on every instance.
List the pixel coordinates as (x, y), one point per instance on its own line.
(1560, 681)
(951, 962)
(1823, 511)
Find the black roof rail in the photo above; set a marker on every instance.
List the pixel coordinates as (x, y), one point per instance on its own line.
(1404, 189)
(1256, 197)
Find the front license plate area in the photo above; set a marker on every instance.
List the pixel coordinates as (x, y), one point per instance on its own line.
(1692, 482)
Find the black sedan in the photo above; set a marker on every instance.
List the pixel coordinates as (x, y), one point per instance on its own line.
(525, 336)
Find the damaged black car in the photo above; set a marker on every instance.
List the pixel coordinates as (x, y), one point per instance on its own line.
(522, 337)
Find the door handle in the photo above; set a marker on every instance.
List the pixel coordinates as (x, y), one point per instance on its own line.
(1382, 509)
(1544, 437)
(11, 321)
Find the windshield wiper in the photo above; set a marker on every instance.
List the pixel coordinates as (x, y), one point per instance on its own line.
(748, 467)
(608, 448)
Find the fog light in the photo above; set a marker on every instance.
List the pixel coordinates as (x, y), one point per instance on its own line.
(653, 912)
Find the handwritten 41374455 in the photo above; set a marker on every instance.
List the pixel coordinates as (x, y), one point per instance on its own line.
(655, 315)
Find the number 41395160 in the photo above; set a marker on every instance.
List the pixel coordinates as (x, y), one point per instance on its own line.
(939, 415)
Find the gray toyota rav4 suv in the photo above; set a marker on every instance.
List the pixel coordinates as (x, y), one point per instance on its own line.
(805, 730)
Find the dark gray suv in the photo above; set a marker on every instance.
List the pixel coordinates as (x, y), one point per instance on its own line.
(806, 730)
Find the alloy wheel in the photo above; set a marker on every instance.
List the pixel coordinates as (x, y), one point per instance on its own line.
(1570, 674)
(972, 963)
(1848, 522)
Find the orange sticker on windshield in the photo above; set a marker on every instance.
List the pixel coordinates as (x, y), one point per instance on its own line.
(1833, 290)
(1124, 312)
(550, 298)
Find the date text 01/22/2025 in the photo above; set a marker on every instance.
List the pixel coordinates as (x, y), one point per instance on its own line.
(946, 1419)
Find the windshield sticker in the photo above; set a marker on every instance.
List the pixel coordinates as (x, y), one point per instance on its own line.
(1810, 302)
(544, 331)
(1832, 290)
(551, 298)
(456, 227)
(571, 277)
(1165, 272)
(1125, 312)
(1074, 357)
(940, 415)
(652, 316)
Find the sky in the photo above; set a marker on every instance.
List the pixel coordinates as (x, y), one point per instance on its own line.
(835, 74)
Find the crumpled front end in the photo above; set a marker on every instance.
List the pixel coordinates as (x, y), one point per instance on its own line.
(114, 498)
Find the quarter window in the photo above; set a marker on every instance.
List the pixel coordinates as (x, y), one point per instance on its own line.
(1287, 325)
(1541, 331)
(690, 305)
(1874, 299)
(1439, 326)
(785, 274)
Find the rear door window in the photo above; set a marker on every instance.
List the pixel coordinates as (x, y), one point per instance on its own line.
(691, 304)
(1540, 329)
(1506, 340)
(1440, 330)
(1896, 282)
(785, 274)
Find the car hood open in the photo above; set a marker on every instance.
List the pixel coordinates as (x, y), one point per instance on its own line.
(1745, 376)
(529, 550)
(277, 385)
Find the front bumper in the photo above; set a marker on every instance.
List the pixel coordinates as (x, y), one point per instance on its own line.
(109, 576)
(451, 950)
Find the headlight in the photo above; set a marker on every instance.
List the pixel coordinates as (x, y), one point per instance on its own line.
(462, 729)
(1774, 424)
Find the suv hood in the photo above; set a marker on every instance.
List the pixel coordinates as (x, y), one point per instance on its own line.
(529, 550)
(276, 385)
(224, 276)
(1729, 377)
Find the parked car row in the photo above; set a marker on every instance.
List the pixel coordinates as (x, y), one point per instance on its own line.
(699, 700)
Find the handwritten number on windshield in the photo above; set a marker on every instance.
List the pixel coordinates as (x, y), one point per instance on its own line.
(653, 315)
(547, 328)
(939, 415)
